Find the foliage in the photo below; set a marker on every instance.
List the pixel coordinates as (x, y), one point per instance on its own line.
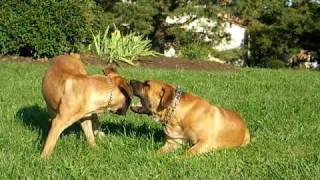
(200, 50)
(47, 28)
(131, 17)
(148, 17)
(228, 55)
(100, 43)
(278, 29)
(118, 47)
(280, 108)
(195, 50)
(275, 63)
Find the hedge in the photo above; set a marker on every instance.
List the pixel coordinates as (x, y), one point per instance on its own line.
(48, 27)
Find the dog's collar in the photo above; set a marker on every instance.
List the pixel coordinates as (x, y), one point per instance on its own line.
(175, 102)
(110, 91)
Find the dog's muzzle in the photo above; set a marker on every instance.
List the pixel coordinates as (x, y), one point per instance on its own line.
(123, 110)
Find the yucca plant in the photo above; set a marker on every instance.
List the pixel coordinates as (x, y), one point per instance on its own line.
(117, 47)
(100, 42)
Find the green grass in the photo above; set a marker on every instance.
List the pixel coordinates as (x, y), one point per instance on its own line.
(281, 109)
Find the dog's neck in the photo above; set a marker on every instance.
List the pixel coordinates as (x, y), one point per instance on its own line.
(167, 114)
(159, 116)
(110, 84)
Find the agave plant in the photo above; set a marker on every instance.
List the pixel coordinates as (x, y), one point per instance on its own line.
(117, 47)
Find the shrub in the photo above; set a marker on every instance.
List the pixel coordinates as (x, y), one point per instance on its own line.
(47, 28)
(274, 63)
(228, 55)
(118, 47)
(201, 50)
(195, 50)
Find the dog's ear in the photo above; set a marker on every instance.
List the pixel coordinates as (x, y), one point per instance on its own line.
(108, 70)
(126, 88)
(167, 94)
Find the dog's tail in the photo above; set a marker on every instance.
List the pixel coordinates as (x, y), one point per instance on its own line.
(75, 55)
(246, 139)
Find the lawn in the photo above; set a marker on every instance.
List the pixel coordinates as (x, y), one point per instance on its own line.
(281, 108)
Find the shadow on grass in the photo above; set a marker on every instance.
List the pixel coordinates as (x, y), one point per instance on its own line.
(38, 118)
(124, 128)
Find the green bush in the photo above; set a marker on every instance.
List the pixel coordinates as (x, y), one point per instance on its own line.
(227, 55)
(274, 63)
(202, 50)
(47, 28)
(117, 47)
(195, 51)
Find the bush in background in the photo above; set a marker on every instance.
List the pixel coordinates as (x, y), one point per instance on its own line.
(196, 50)
(274, 63)
(114, 46)
(46, 28)
(202, 51)
(228, 55)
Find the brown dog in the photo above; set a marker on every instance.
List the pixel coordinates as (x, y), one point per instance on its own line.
(72, 95)
(189, 117)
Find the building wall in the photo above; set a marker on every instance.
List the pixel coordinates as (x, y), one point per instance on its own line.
(237, 33)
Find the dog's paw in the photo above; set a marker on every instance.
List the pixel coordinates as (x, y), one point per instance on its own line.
(190, 152)
(99, 134)
(164, 150)
(181, 157)
(160, 151)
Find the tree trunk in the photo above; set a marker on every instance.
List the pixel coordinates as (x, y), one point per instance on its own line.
(160, 29)
(246, 46)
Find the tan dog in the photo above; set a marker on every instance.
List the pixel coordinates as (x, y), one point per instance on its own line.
(72, 95)
(189, 117)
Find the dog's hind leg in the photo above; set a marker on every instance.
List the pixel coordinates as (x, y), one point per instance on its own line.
(246, 140)
(59, 123)
(66, 116)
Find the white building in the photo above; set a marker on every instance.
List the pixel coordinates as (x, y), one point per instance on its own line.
(204, 25)
(237, 35)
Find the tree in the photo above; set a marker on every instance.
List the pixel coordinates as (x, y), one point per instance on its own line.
(148, 17)
(278, 29)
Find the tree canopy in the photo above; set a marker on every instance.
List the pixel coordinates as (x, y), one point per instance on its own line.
(279, 28)
(276, 28)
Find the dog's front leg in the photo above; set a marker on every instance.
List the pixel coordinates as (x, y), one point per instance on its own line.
(170, 145)
(86, 125)
(96, 126)
(199, 147)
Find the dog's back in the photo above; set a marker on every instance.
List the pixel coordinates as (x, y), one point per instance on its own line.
(67, 64)
(61, 68)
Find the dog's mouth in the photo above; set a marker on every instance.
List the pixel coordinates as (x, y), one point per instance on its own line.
(141, 107)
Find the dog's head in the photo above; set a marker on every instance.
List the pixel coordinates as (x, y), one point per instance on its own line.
(122, 94)
(154, 96)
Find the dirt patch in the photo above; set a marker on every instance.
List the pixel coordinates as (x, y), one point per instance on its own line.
(183, 63)
(167, 63)
(21, 59)
(148, 62)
